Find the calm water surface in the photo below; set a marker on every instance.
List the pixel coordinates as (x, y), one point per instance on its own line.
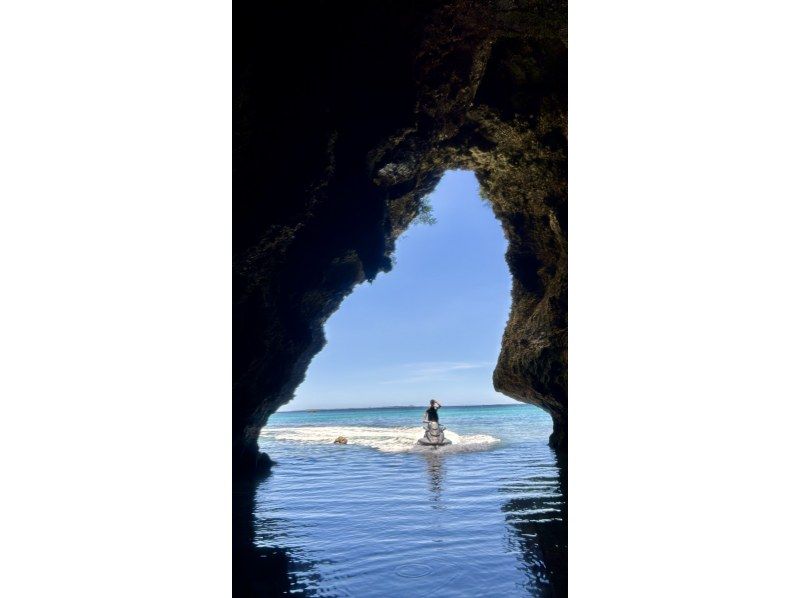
(381, 517)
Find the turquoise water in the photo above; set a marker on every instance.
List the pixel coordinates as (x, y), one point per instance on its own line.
(382, 516)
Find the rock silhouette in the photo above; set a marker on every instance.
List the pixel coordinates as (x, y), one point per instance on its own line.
(346, 116)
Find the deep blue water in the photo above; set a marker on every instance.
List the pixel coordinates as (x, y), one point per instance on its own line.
(381, 517)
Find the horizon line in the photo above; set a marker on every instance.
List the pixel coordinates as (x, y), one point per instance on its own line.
(399, 407)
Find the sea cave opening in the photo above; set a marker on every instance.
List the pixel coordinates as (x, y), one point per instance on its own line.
(430, 328)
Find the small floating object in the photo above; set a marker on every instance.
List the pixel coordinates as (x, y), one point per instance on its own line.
(340, 440)
(434, 436)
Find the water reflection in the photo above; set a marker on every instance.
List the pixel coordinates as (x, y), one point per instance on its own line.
(537, 517)
(436, 470)
(355, 521)
(288, 561)
(259, 570)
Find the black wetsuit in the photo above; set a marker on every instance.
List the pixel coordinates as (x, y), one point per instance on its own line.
(432, 415)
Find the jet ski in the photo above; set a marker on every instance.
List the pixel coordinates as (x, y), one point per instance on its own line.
(434, 436)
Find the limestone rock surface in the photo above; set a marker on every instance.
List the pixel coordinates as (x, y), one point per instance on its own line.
(346, 114)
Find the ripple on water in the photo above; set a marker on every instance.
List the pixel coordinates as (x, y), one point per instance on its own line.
(365, 520)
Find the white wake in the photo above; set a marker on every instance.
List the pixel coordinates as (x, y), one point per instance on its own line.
(387, 440)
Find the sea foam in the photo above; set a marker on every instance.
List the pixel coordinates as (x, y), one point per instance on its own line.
(386, 440)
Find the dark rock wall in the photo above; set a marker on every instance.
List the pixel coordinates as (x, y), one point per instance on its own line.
(346, 114)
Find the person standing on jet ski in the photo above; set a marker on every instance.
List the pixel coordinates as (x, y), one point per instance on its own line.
(430, 413)
(434, 434)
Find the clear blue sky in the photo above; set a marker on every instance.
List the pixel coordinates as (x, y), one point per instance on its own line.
(430, 328)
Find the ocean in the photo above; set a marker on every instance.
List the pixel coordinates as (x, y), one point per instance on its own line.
(382, 516)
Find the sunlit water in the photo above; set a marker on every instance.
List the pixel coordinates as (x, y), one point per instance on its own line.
(382, 516)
